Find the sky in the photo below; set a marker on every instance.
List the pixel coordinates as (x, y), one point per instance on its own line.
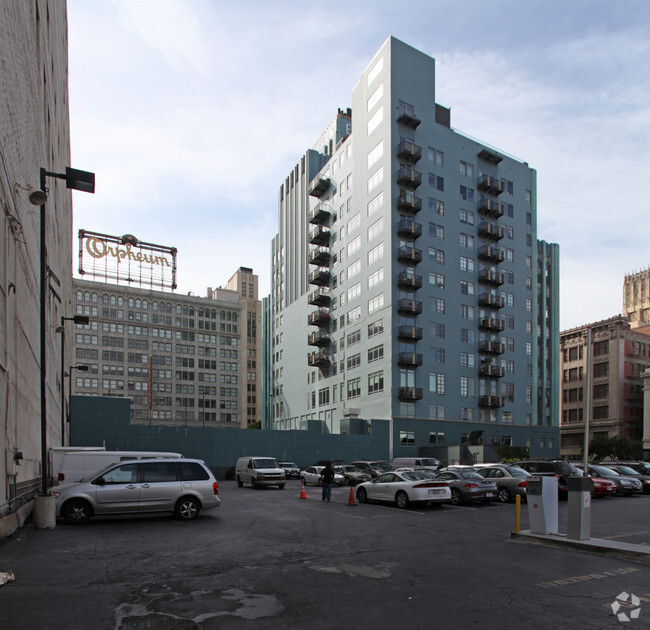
(192, 112)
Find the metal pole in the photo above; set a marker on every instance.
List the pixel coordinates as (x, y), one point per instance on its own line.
(69, 390)
(63, 381)
(43, 345)
(587, 403)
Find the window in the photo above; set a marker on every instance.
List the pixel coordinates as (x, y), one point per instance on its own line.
(354, 222)
(437, 182)
(437, 231)
(375, 97)
(375, 303)
(466, 194)
(375, 382)
(437, 383)
(375, 278)
(375, 179)
(376, 253)
(437, 255)
(375, 354)
(436, 206)
(354, 291)
(376, 228)
(354, 315)
(437, 280)
(466, 288)
(353, 338)
(354, 388)
(439, 306)
(407, 437)
(353, 246)
(376, 120)
(376, 203)
(466, 311)
(375, 328)
(466, 264)
(435, 156)
(466, 359)
(466, 217)
(354, 269)
(378, 67)
(465, 169)
(466, 335)
(467, 240)
(354, 361)
(466, 387)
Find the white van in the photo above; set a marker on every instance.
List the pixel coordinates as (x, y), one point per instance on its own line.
(416, 462)
(259, 471)
(77, 465)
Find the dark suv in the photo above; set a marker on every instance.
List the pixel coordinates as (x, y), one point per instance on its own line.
(551, 468)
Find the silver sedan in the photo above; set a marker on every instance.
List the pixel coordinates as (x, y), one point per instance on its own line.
(467, 485)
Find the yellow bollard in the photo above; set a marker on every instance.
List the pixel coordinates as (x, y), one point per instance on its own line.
(517, 512)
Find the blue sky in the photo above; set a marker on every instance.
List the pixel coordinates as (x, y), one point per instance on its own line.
(192, 112)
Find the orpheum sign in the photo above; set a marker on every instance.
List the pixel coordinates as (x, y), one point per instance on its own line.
(126, 259)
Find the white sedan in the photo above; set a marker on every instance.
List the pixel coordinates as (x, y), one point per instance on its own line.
(311, 474)
(404, 487)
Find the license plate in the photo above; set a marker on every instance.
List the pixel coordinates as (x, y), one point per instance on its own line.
(435, 491)
(489, 494)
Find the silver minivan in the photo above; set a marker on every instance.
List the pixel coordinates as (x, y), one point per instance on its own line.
(181, 486)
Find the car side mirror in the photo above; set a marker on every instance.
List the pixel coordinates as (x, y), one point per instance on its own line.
(100, 481)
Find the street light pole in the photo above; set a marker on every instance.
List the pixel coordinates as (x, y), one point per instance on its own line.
(75, 180)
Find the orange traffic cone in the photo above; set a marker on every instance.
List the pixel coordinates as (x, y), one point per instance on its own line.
(302, 490)
(351, 497)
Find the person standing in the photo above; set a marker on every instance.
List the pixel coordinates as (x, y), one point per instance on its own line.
(327, 480)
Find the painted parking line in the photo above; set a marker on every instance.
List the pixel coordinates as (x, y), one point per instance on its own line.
(575, 579)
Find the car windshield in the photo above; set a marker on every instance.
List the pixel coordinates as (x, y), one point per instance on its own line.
(380, 466)
(266, 463)
(288, 465)
(428, 462)
(414, 475)
(626, 470)
(605, 472)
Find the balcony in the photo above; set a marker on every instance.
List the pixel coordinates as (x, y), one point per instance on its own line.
(320, 256)
(320, 317)
(407, 117)
(320, 358)
(491, 254)
(489, 156)
(407, 280)
(490, 208)
(318, 338)
(408, 254)
(319, 186)
(408, 202)
(410, 393)
(411, 307)
(490, 300)
(410, 333)
(409, 228)
(319, 236)
(490, 184)
(320, 277)
(409, 177)
(491, 231)
(487, 370)
(491, 276)
(409, 151)
(490, 401)
(491, 324)
(320, 297)
(491, 347)
(409, 359)
(319, 215)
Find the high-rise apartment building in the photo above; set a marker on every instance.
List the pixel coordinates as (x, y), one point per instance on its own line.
(619, 356)
(407, 278)
(181, 359)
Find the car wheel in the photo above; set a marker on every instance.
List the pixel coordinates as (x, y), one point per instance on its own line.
(240, 483)
(402, 500)
(76, 512)
(362, 495)
(456, 496)
(253, 483)
(504, 495)
(281, 486)
(187, 509)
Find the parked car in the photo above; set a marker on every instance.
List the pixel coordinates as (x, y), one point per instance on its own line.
(416, 462)
(602, 487)
(404, 488)
(311, 474)
(374, 467)
(352, 475)
(640, 467)
(628, 471)
(511, 480)
(259, 471)
(183, 487)
(290, 469)
(551, 467)
(467, 485)
(625, 486)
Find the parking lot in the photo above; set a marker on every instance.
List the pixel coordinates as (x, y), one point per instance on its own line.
(268, 559)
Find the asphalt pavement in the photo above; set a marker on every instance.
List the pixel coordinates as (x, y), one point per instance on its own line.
(269, 559)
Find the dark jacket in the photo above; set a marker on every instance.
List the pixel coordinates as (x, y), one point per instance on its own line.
(327, 475)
